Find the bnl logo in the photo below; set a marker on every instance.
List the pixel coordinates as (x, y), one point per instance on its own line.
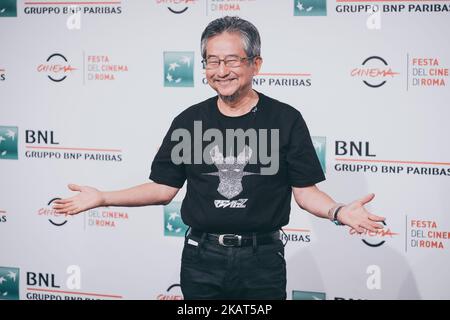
(8, 8)
(178, 69)
(310, 7)
(320, 145)
(9, 283)
(8, 143)
(173, 225)
(308, 295)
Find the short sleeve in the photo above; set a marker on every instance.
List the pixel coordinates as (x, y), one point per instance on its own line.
(304, 168)
(163, 169)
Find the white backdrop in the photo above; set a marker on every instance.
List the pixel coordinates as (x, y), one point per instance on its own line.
(101, 119)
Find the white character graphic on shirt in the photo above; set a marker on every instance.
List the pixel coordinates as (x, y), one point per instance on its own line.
(230, 171)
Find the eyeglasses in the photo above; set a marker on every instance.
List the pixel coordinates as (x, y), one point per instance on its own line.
(229, 61)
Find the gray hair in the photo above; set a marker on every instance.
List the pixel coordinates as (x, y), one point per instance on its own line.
(248, 32)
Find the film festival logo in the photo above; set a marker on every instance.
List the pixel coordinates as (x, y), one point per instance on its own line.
(105, 219)
(8, 8)
(56, 219)
(173, 225)
(178, 69)
(95, 68)
(8, 143)
(427, 72)
(310, 8)
(9, 283)
(102, 68)
(426, 234)
(56, 67)
(374, 72)
(375, 239)
(231, 7)
(173, 292)
(320, 145)
(178, 6)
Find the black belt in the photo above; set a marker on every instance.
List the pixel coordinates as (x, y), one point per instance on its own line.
(237, 240)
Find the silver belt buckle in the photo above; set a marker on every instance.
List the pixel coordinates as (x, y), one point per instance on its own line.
(235, 236)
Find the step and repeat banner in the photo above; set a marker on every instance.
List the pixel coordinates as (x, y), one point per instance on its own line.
(89, 88)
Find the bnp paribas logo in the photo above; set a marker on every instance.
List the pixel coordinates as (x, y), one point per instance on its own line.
(8, 143)
(178, 69)
(310, 7)
(320, 145)
(9, 283)
(308, 295)
(8, 8)
(173, 225)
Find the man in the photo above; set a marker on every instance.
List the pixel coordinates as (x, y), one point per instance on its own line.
(237, 198)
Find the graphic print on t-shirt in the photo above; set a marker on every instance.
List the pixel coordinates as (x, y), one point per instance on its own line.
(230, 173)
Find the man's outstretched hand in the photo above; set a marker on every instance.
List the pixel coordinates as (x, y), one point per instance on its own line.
(357, 217)
(86, 199)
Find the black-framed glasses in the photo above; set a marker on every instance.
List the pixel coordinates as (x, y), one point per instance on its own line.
(229, 61)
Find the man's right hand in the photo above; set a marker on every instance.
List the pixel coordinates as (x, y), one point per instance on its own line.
(86, 199)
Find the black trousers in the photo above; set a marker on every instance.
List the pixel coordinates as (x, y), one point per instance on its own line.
(212, 271)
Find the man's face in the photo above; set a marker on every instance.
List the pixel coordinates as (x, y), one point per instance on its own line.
(230, 81)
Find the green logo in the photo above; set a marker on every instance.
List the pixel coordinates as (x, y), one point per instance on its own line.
(8, 143)
(308, 295)
(8, 8)
(310, 7)
(173, 225)
(9, 283)
(178, 69)
(320, 145)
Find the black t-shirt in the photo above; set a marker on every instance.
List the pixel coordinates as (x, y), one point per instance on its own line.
(229, 194)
